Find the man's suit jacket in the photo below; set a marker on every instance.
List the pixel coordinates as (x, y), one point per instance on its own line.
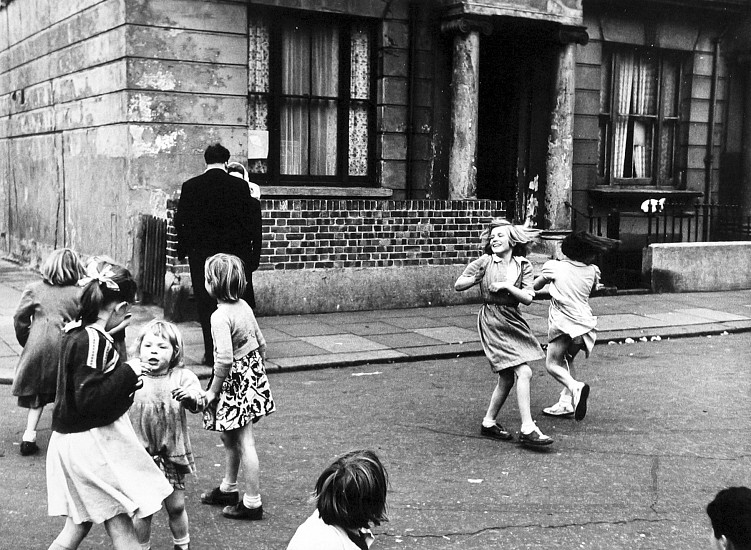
(216, 213)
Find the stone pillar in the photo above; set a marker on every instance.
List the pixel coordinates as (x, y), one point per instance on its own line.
(465, 82)
(745, 191)
(561, 145)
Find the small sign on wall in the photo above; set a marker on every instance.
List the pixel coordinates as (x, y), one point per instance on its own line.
(258, 144)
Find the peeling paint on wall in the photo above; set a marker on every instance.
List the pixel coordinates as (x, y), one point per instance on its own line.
(158, 203)
(145, 142)
(160, 80)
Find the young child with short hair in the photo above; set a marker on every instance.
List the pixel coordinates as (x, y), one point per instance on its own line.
(350, 496)
(45, 307)
(159, 420)
(571, 324)
(730, 514)
(97, 470)
(239, 394)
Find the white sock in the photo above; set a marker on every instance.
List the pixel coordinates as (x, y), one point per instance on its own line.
(251, 502)
(182, 543)
(29, 435)
(488, 422)
(528, 428)
(225, 487)
(565, 396)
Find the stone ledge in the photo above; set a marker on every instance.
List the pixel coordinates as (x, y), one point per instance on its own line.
(290, 191)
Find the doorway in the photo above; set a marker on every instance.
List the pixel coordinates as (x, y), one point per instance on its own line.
(517, 79)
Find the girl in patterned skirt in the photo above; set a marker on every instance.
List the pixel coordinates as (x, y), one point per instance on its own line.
(505, 279)
(238, 394)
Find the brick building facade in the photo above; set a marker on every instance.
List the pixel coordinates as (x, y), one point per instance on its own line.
(346, 112)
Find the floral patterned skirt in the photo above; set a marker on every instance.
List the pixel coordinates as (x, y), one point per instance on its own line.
(245, 396)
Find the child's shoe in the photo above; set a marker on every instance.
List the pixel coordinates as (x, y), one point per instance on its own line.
(562, 408)
(29, 448)
(240, 511)
(581, 394)
(496, 432)
(535, 438)
(217, 497)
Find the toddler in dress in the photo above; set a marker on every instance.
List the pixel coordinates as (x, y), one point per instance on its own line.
(159, 419)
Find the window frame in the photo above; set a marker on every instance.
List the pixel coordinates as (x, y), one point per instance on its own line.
(661, 120)
(275, 98)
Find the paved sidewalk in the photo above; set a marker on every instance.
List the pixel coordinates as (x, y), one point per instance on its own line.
(297, 342)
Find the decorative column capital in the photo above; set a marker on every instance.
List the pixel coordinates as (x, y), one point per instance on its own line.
(567, 34)
(465, 25)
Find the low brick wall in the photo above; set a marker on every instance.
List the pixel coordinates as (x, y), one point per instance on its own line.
(348, 255)
(691, 267)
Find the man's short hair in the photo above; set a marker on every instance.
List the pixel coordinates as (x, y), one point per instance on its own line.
(730, 514)
(216, 154)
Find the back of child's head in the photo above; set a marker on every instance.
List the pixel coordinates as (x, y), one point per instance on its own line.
(519, 236)
(62, 267)
(351, 493)
(225, 275)
(105, 283)
(584, 247)
(169, 332)
(730, 514)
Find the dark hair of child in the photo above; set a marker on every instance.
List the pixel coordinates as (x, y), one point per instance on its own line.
(730, 514)
(97, 293)
(581, 246)
(351, 493)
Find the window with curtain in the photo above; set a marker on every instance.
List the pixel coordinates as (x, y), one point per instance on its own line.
(640, 120)
(310, 86)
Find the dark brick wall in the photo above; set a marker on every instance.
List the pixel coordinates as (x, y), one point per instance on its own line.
(320, 234)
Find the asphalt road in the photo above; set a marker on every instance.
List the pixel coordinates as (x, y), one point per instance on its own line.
(667, 427)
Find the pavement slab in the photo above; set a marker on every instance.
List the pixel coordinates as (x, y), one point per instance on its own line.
(330, 339)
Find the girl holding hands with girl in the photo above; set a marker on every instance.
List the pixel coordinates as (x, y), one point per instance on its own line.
(505, 279)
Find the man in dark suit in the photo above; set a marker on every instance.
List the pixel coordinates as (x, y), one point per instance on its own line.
(215, 214)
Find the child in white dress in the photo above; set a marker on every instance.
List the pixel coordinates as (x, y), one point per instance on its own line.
(239, 394)
(97, 471)
(571, 324)
(159, 419)
(350, 495)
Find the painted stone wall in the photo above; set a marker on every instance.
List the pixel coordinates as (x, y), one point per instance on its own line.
(106, 107)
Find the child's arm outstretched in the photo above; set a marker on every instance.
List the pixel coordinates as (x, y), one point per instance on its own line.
(472, 274)
(540, 282)
(189, 393)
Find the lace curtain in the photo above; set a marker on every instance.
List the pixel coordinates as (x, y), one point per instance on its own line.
(310, 79)
(635, 94)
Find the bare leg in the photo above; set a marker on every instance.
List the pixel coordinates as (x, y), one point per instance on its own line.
(143, 529)
(120, 529)
(500, 393)
(178, 517)
(523, 378)
(555, 362)
(71, 536)
(232, 452)
(249, 458)
(32, 419)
